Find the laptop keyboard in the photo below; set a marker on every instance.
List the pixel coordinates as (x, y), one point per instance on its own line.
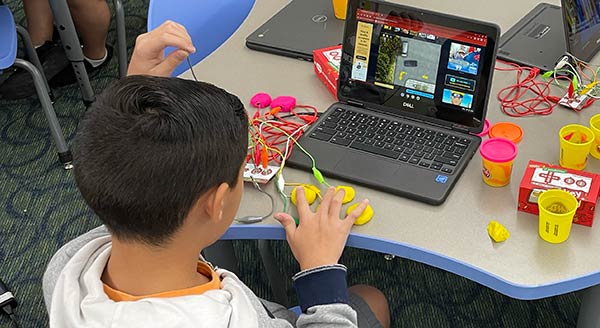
(398, 140)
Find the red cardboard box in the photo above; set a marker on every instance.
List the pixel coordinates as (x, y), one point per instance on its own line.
(541, 176)
(327, 66)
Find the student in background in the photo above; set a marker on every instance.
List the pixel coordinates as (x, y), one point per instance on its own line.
(91, 19)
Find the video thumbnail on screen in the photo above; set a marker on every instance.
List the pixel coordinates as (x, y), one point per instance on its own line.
(464, 58)
(457, 98)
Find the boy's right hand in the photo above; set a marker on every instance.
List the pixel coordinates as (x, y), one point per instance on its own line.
(320, 237)
(148, 54)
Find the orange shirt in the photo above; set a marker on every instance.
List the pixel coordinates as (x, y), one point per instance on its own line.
(203, 268)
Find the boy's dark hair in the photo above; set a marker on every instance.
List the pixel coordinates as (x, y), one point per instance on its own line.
(149, 147)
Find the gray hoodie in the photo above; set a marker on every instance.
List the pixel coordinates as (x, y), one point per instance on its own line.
(74, 297)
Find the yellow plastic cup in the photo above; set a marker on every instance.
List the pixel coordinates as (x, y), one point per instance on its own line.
(575, 143)
(497, 155)
(557, 208)
(595, 127)
(339, 8)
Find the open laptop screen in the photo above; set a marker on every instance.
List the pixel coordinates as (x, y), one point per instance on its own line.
(418, 63)
(582, 27)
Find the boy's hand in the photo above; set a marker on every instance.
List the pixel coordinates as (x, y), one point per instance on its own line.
(148, 55)
(320, 237)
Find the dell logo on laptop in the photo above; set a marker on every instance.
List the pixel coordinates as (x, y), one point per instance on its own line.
(319, 18)
(409, 105)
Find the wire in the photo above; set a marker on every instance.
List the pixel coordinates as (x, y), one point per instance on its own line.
(528, 96)
(510, 97)
(14, 321)
(280, 182)
(272, 136)
(295, 141)
(574, 71)
(316, 173)
(8, 309)
(191, 68)
(254, 219)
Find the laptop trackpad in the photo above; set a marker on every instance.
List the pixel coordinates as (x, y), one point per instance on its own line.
(365, 166)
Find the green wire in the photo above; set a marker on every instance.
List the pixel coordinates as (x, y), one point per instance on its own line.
(284, 198)
(317, 174)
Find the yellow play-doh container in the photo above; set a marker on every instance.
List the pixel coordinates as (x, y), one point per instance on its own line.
(595, 127)
(575, 143)
(497, 155)
(557, 208)
(339, 8)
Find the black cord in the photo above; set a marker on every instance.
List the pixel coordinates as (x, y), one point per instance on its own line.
(8, 303)
(300, 114)
(189, 64)
(11, 315)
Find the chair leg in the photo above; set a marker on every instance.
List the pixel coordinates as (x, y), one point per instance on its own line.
(589, 317)
(121, 40)
(70, 41)
(273, 274)
(64, 154)
(33, 57)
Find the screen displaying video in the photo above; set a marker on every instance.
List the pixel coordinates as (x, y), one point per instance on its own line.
(464, 58)
(458, 98)
(408, 62)
(414, 66)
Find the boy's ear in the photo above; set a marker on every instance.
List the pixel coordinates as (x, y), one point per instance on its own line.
(215, 202)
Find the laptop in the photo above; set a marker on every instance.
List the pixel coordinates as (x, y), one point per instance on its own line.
(299, 28)
(413, 87)
(537, 40)
(582, 27)
(548, 31)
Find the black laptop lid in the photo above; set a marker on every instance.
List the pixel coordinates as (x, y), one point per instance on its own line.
(408, 61)
(299, 28)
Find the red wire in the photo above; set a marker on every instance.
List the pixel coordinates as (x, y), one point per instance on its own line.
(511, 97)
(274, 138)
(541, 103)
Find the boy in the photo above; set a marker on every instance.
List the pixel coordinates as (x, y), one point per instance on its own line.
(160, 161)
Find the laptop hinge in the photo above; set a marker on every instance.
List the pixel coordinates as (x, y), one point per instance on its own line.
(354, 103)
(459, 128)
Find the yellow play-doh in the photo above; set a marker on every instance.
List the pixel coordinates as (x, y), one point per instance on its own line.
(348, 195)
(366, 215)
(310, 193)
(497, 231)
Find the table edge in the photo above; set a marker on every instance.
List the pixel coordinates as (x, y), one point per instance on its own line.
(407, 251)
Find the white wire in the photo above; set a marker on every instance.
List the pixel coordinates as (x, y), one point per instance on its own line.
(579, 60)
(573, 56)
(287, 149)
(579, 80)
(289, 137)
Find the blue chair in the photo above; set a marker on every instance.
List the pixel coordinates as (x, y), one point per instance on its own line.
(209, 22)
(8, 58)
